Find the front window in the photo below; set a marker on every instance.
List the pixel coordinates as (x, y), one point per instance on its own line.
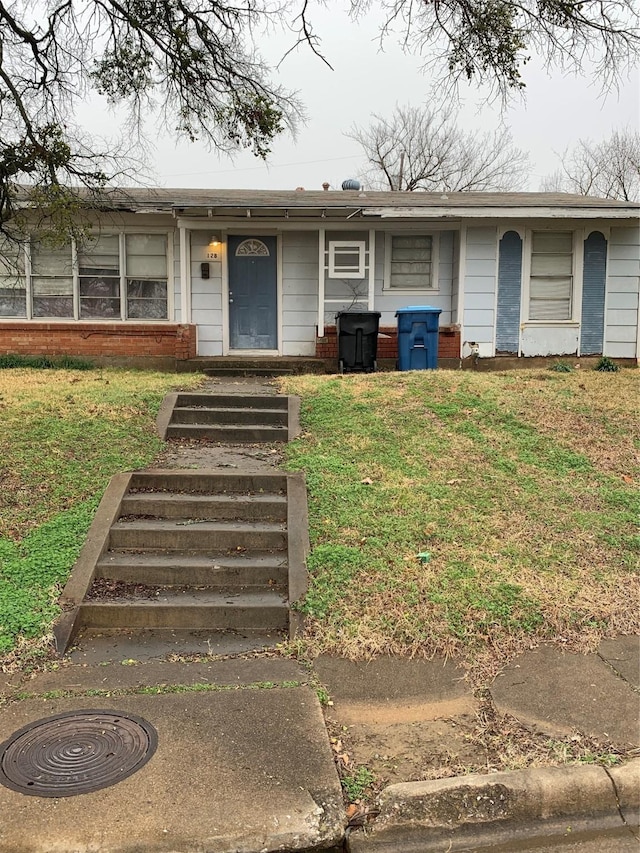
(99, 278)
(13, 280)
(551, 277)
(103, 277)
(146, 270)
(411, 262)
(52, 282)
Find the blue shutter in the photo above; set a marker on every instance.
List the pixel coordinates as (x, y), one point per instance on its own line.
(593, 287)
(509, 289)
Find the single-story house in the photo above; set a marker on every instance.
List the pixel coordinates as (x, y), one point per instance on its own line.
(185, 273)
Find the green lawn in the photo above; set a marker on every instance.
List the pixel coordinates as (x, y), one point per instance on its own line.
(63, 434)
(453, 512)
(469, 513)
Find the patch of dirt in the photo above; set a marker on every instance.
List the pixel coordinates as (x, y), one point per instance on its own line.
(405, 749)
(407, 752)
(381, 714)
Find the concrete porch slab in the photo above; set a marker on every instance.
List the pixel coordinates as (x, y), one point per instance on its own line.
(242, 771)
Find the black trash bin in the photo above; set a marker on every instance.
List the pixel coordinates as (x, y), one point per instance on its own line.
(357, 340)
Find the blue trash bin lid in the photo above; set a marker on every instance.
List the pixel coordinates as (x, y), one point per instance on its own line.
(427, 309)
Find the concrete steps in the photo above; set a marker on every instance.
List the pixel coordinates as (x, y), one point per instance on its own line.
(183, 533)
(229, 418)
(166, 568)
(100, 645)
(248, 366)
(194, 610)
(228, 415)
(211, 483)
(193, 551)
(166, 505)
(241, 370)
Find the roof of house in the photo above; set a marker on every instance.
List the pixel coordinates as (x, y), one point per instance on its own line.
(349, 204)
(283, 199)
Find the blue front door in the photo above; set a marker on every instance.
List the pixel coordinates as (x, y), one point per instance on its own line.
(253, 293)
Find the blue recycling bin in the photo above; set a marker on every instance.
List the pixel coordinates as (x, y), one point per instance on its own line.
(418, 337)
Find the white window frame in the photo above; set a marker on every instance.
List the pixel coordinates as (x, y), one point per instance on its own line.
(125, 276)
(344, 247)
(435, 262)
(121, 234)
(576, 276)
(22, 275)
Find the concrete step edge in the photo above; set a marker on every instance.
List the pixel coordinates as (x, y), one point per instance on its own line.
(208, 482)
(228, 428)
(235, 499)
(246, 401)
(224, 561)
(203, 611)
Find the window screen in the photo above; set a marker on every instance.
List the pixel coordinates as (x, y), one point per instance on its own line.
(146, 270)
(52, 281)
(13, 282)
(411, 262)
(551, 279)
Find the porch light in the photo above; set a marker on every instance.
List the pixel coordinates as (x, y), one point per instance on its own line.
(214, 240)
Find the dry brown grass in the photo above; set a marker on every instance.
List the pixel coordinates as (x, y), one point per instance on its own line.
(520, 486)
(64, 432)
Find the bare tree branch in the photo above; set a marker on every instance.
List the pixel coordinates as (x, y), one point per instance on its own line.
(490, 41)
(195, 58)
(198, 62)
(606, 169)
(423, 149)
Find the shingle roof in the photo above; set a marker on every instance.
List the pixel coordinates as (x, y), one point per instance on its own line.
(183, 199)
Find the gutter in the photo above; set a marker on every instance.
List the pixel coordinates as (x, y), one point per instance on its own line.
(461, 212)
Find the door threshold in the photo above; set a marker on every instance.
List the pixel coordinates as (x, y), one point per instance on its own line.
(253, 353)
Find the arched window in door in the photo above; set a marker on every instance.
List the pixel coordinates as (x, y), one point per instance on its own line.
(252, 247)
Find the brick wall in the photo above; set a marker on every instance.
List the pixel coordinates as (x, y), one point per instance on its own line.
(140, 340)
(448, 342)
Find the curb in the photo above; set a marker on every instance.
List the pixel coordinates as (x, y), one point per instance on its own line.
(501, 808)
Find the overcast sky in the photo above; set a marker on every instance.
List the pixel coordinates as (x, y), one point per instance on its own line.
(557, 111)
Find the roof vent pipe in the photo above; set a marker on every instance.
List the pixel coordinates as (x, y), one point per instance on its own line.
(325, 186)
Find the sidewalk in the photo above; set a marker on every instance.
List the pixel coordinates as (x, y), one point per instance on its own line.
(246, 760)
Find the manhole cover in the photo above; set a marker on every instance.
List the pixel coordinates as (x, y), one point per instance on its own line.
(75, 753)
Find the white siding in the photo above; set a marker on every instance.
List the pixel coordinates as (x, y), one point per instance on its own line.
(621, 307)
(299, 292)
(352, 292)
(480, 288)
(206, 296)
(177, 312)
